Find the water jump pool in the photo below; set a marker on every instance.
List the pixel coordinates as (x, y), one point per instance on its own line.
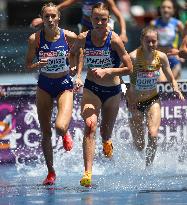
(122, 180)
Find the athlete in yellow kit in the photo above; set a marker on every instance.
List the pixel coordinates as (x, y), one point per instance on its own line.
(142, 96)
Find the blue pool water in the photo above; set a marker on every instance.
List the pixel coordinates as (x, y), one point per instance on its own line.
(128, 183)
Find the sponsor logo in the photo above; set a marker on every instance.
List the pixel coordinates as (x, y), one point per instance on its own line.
(166, 87)
(45, 46)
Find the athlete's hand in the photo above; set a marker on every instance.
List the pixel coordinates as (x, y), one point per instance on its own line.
(99, 72)
(124, 38)
(179, 94)
(173, 52)
(36, 23)
(42, 62)
(78, 84)
(73, 71)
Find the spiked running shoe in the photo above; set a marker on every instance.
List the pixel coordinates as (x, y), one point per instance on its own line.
(108, 148)
(86, 180)
(67, 142)
(50, 179)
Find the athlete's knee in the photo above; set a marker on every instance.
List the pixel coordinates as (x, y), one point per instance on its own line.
(90, 125)
(153, 132)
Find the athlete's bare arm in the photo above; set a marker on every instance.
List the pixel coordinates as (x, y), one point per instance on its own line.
(76, 53)
(66, 3)
(168, 73)
(117, 45)
(71, 37)
(183, 48)
(120, 19)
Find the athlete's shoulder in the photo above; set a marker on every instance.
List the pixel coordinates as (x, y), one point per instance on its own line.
(116, 42)
(174, 20)
(115, 37)
(161, 55)
(133, 54)
(80, 41)
(34, 38)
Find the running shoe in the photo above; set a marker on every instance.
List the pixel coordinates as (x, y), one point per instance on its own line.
(67, 142)
(86, 180)
(50, 179)
(108, 148)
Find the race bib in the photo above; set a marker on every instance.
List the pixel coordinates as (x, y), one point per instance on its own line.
(98, 59)
(147, 80)
(56, 61)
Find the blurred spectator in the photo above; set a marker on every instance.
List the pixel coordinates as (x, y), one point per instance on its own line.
(169, 29)
(124, 7)
(86, 13)
(143, 12)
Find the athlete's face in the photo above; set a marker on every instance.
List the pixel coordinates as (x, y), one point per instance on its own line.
(150, 41)
(167, 9)
(50, 17)
(100, 18)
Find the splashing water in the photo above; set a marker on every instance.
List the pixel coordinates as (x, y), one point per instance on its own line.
(125, 171)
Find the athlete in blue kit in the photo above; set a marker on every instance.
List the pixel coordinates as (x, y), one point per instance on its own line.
(102, 50)
(51, 47)
(86, 13)
(168, 29)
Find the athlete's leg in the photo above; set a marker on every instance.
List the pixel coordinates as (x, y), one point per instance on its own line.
(90, 108)
(162, 77)
(136, 121)
(64, 114)
(153, 123)
(44, 108)
(109, 113)
(64, 111)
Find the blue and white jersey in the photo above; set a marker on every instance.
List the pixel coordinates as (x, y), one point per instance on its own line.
(100, 57)
(56, 54)
(167, 32)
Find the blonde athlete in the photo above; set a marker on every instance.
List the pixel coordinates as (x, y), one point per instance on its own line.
(51, 47)
(103, 50)
(142, 97)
